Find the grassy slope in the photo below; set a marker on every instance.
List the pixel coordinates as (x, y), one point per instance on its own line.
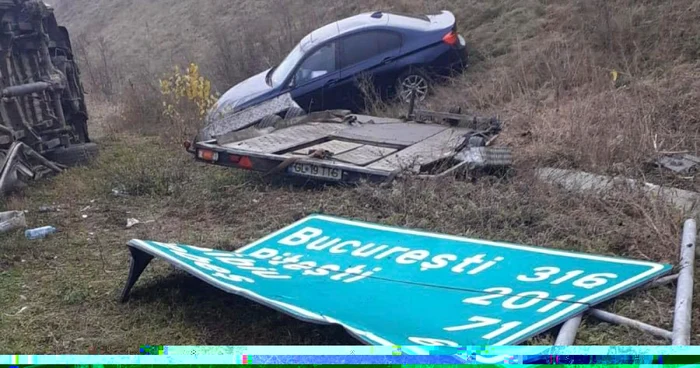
(543, 66)
(70, 282)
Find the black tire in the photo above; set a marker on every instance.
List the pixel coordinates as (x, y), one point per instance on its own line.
(413, 78)
(74, 155)
(268, 121)
(80, 127)
(294, 112)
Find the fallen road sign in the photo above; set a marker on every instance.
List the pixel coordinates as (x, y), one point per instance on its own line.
(393, 286)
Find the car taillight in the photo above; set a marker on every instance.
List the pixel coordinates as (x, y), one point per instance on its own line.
(451, 38)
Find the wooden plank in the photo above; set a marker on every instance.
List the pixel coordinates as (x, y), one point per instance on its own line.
(285, 139)
(365, 155)
(401, 134)
(437, 147)
(336, 147)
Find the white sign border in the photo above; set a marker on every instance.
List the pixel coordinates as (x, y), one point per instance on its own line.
(366, 335)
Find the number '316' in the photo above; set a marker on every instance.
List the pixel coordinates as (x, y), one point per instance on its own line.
(587, 282)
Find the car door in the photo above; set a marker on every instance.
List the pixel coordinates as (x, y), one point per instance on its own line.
(367, 62)
(316, 73)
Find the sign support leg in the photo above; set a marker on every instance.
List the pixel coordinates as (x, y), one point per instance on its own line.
(139, 261)
(684, 292)
(661, 281)
(567, 333)
(620, 320)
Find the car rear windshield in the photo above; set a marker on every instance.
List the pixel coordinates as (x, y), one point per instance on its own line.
(414, 16)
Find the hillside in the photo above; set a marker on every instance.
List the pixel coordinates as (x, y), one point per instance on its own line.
(544, 67)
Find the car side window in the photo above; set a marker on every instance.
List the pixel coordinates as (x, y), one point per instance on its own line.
(388, 41)
(366, 45)
(318, 64)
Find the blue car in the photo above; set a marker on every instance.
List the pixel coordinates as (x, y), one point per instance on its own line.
(399, 53)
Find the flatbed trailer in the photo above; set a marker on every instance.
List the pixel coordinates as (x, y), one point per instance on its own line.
(336, 146)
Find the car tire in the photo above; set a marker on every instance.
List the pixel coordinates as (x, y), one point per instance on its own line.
(74, 155)
(268, 121)
(294, 112)
(410, 79)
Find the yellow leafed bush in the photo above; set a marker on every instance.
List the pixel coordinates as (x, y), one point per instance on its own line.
(187, 97)
(186, 92)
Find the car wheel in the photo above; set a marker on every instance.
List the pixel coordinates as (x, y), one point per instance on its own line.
(268, 121)
(294, 112)
(74, 155)
(413, 80)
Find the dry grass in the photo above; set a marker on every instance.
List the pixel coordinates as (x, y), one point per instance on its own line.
(543, 66)
(70, 282)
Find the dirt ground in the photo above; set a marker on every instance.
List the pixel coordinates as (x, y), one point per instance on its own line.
(60, 293)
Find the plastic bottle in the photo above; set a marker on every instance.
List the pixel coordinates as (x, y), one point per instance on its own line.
(39, 233)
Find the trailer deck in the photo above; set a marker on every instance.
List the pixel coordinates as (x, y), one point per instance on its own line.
(348, 149)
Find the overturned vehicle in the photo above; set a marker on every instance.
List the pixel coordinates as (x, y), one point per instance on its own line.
(278, 137)
(43, 117)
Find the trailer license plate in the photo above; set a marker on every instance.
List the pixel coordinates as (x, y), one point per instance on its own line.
(316, 171)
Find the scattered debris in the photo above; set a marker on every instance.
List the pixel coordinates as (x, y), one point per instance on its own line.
(85, 208)
(131, 222)
(19, 164)
(119, 193)
(84, 216)
(680, 164)
(586, 182)
(486, 157)
(45, 209)
(16, 314)
(39, 233)
(12, 220)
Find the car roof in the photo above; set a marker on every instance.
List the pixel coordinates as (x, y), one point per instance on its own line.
(364, 21)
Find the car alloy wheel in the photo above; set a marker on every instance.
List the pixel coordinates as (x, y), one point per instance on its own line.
(414, 82)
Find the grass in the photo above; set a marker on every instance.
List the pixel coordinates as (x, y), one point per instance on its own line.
(70, 282)
(543, 67)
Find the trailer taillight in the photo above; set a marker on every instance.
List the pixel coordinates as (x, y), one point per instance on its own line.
(451, 38)
(208, 155)
(245, 163)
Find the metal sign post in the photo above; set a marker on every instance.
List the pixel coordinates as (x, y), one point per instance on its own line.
(684, 299)
(684, 292)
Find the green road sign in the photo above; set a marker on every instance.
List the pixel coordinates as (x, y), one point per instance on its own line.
(392, 286)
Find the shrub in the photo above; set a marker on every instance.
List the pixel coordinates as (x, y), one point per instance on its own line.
(186, 99)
